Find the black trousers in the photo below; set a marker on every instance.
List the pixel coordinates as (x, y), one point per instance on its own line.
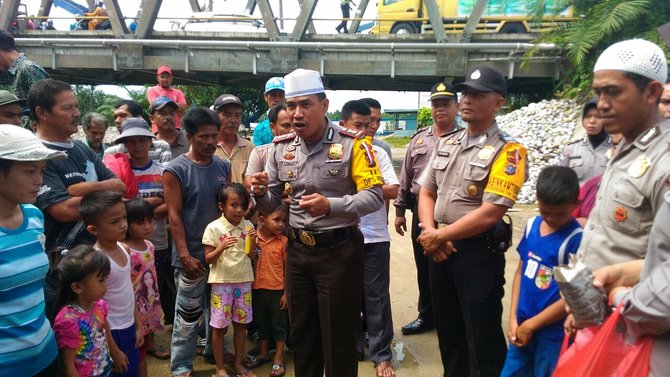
(425, 305)
(467, 292)
(166, 284)
(324, 285)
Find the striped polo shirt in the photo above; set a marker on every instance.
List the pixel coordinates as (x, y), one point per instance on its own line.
(27, 343)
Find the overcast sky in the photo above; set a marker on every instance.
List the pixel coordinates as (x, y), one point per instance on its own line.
(324, 19)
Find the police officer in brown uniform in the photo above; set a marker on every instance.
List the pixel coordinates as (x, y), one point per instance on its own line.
(443, 103)
(332, 177)
(588, 156)
(628, 79)
(472, 178)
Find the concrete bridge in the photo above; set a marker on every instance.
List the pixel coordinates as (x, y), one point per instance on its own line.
(346, 61)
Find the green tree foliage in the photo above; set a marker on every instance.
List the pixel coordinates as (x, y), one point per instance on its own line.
(93, 100)
(424, 118)
(598, 24)
(252, 98)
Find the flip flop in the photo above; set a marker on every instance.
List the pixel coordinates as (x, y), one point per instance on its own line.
(253, 362)
(278, 370)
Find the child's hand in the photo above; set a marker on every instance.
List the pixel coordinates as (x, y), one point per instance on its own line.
(139, 337)
(252, 233)
(283, 302)
(120, 361)
(511, 330)
(523, 334)
(227, 242)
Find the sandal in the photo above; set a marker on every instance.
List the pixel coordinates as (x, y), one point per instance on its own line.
(253, 362)
(278, 370)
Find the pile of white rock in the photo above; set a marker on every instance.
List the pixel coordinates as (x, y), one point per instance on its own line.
(544, 128)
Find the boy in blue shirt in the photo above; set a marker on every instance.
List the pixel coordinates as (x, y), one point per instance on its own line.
(537, 310)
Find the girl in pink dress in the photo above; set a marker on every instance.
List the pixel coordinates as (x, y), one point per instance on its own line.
(143, 275)
(81, 324)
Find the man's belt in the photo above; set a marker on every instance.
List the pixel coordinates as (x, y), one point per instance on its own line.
(323, 237)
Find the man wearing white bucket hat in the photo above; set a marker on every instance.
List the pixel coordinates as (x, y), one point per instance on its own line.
(332, 177)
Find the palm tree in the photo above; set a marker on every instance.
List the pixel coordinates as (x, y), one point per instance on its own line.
(598, 24)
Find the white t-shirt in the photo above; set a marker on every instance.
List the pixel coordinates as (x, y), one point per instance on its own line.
(375, 225)
(120, 296)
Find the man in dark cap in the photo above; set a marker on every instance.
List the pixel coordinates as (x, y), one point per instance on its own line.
(10, 108)
(443, 103)
(477, 174)
(163, 113)
(231, 146)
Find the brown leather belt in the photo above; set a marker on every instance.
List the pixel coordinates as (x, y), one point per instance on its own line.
(323, 237)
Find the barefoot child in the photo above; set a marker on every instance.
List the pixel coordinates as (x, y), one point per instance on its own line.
(269, 297)
(104, 214)
(537, 310)
(230, 273)
(81, 324)
(143, 275)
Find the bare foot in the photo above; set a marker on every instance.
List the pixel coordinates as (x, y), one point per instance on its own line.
(385, 369)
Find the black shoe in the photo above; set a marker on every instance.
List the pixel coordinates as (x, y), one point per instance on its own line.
(417, 326)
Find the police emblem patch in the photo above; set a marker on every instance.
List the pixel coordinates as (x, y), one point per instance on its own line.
(486, 153)
(620, 214)
(336, 151)
(639, 167)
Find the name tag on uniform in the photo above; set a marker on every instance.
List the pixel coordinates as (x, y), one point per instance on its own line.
(477, 164)
(443, 153)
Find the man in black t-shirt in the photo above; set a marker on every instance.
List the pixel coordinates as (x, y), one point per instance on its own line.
(54, 108)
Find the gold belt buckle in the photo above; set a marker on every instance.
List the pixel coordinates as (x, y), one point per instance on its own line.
(306, 238)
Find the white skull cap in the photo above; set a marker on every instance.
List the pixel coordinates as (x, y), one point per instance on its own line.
(636, 56)
(302, 82)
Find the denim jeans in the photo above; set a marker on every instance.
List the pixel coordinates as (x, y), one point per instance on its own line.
(191, 302)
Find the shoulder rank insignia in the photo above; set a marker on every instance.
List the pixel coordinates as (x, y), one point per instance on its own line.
(285, 137)
(506, 138)
(356, 134)
(420, 130)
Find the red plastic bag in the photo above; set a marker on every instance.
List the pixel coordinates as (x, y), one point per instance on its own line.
(608, 354)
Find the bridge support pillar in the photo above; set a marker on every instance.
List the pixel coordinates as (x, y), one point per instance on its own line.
(8, 11)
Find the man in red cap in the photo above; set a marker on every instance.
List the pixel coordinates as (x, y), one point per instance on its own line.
(164, 88)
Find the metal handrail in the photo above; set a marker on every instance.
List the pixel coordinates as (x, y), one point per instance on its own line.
(506, 46)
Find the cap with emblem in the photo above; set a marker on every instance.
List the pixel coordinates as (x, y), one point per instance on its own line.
(7, 98)
(19, 144)
(226, 99)
(303, 82)
(636, 56)
(163, 69)
(161, 102)
(442, 90)
(485, 79)
(275, 83)
(134, 127)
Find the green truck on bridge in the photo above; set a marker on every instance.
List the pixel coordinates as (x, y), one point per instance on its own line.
(500, 16)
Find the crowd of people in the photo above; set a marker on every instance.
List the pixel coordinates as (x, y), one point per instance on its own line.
(183, 223)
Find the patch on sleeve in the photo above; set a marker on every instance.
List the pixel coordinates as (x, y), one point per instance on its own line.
(364, 168)
(508, 172)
